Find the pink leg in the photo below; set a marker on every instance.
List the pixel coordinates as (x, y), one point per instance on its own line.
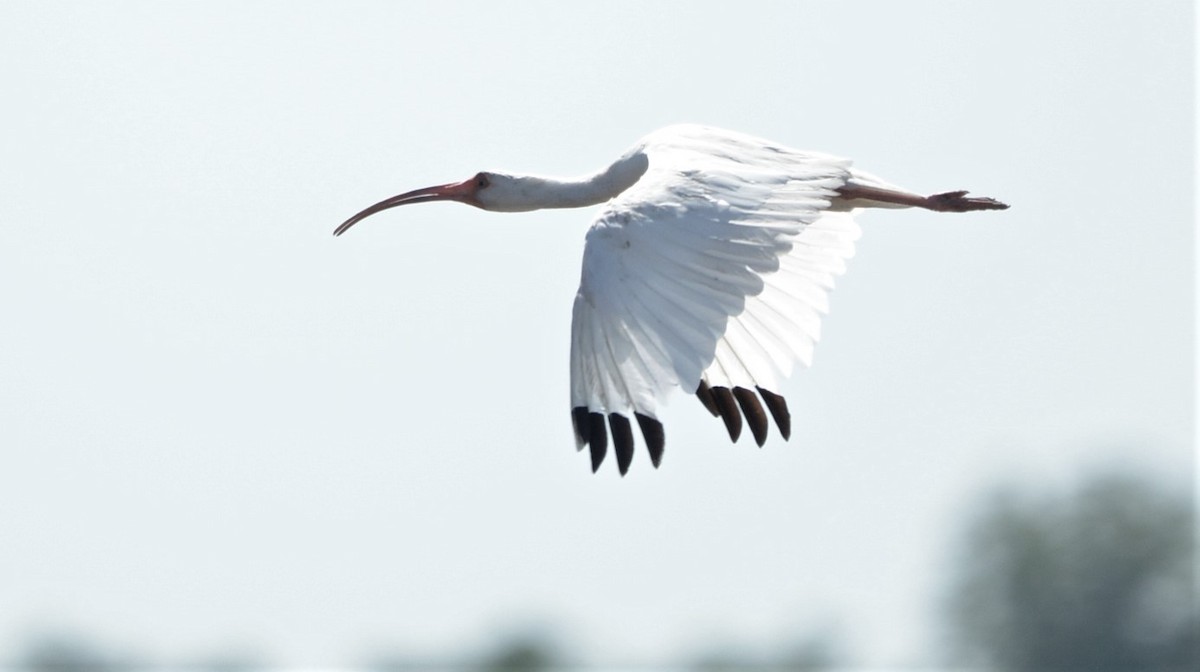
(951, 201)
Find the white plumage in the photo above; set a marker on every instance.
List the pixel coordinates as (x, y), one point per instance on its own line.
(709, 269)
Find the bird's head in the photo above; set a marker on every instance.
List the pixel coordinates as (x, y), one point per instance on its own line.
(486, 190)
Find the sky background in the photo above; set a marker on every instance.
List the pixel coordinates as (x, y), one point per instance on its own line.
(222, 428)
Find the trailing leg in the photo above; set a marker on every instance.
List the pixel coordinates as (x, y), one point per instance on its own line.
(862, 196)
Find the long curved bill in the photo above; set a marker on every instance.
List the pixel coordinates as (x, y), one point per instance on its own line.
(456, 191)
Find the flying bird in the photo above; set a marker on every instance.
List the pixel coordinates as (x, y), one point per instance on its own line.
(708, 268)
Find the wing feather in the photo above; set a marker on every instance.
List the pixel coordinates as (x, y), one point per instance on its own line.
(712, 273)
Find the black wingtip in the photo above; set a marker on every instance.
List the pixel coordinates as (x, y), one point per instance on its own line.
(622, 435)
(579, 422)
(591, 429)
(777, 405)
(652, 432)
(729, 411)
(597, 439)
(704, 394)
(755, 416)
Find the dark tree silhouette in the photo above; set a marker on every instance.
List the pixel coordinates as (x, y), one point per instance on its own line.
(524, 652)
(1098, 579)
(66, 651)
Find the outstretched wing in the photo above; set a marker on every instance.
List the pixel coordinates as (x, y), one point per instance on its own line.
(710, 273)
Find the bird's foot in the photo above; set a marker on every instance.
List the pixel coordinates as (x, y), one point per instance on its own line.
(957, 201)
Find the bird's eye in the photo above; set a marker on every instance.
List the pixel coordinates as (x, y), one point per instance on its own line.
(481, 180)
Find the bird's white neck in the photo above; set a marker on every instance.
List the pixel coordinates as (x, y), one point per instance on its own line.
(526, 192)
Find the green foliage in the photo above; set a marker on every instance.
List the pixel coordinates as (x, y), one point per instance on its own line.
(1099, 579)
(65, 651)
(527, 652)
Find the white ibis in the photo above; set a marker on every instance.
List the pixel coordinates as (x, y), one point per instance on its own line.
(708, 268)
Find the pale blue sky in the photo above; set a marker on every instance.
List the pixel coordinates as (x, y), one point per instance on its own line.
(222, 426)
